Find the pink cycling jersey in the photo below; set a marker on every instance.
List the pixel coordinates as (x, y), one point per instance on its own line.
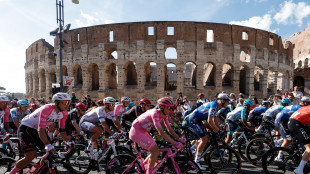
(45, 115)
(149, 119)
(4, 115)
(119, 110)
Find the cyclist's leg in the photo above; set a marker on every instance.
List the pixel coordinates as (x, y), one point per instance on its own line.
(95, 132)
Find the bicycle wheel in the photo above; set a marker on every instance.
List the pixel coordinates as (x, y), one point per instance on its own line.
(119, 150)
(256, 149)
(187, 165)
(223, 158)
(81, 162)
(122, 163)
(241, 148)
(6, 164)
(59, 167)
(286, 164)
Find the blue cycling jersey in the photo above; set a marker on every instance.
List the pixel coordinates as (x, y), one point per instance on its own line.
(205, 110)
(259, 110)
(284, 115)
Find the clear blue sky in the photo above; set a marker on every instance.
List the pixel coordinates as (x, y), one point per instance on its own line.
(23, 22)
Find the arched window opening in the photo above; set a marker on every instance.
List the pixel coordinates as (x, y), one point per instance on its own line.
(244, 80)
(300, 82)
(171, 53)
(300, 64)
(150, 74)
(170, 77)
(227, 75)
(111, 76)
(258, 77)
(93, 74)
(190, 73)
(78, 78)
(306, 62)
(131, 73)
(209, 74)
(245, 56)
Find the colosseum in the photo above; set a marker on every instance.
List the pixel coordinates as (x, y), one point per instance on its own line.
(151, 58)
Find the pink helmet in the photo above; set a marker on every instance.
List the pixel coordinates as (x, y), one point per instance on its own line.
(14, 103)
(167, 102)
(200, 94)
(145, 101)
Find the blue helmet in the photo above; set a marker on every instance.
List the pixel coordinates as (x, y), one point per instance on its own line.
(286, 101)
(131, 104)
(22, 103)
(248, 102)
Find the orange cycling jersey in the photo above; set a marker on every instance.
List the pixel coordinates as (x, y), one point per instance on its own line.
(302, 115)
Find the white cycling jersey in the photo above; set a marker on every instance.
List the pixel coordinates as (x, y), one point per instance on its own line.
(98, 115)
(16, 114)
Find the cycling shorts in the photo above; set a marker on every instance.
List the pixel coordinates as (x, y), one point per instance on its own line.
(198, 127)
(255, 120)
(231, 127)
(299, 130)
(29, 139)
(142, 137)
(283, 130)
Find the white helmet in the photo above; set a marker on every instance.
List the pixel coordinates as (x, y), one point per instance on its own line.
(125, 99)
(60, 96)
(109, 100)
(305, 99)
(4, 99)
(223, 96)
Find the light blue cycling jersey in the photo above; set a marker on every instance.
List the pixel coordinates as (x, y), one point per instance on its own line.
(15, 114)
(205, 110)
(237, 114)
(273, 111)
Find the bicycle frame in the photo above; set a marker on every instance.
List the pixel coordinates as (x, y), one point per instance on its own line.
(157, 166)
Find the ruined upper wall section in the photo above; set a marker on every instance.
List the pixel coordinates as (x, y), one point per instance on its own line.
(39, 47)
(186, 31)
(301, 42)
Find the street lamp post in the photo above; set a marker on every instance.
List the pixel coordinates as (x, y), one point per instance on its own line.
(60, 22)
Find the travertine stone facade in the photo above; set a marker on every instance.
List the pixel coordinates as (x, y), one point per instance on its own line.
(148, 59)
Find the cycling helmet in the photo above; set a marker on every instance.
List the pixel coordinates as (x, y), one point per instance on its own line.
(14, 103)
(200, 94)
(165, 102)
(125, 99)
(248, 102)
(286, 101)
(305, 99)
(145, 101)
(131, 104)
(22, 103)
(100, 102)
(81, 106)
(109, 100)
(223, 96)
(60, 96)
(4, 99)
(266, 102)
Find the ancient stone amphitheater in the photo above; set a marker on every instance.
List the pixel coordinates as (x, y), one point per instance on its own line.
(151, 58)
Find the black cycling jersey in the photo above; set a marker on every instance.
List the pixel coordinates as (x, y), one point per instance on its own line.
(129, 116)
(72, 116)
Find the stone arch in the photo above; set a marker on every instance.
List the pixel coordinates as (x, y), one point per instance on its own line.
(300, 64)
(78, 76)
(93, 76)
(306, 63)
(131, 73)
(110, 53)
(227, 75)
(299, 81)
(245, 55)
(42, 80)
(258, 78)
(244, 79)
(111, 75)
(150, 74)
(209, 71)
(64, 70)
(190, 74)
(171, 53)
(170, 77)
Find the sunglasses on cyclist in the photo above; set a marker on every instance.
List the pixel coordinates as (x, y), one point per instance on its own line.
(65, 102)
(112, 104)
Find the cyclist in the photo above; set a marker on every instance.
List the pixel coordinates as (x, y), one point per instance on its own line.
(237, 116)
(281, 121)
(139, 131)
(129, 116)
(32, 131)
(93, 122)
(207, 112)
(121, 109)
(256, 115)
(297, 125)
(17, 114)
(73, 119)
